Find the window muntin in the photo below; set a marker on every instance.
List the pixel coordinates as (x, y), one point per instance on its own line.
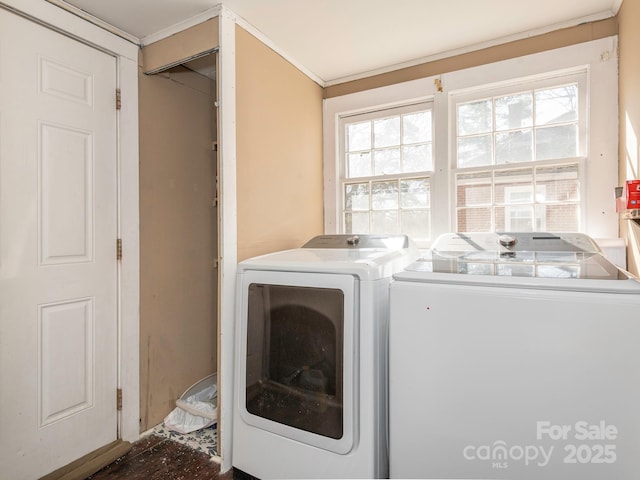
(518, 156)
(393, 143)
(536, 197)
(389, 206)
(387, 165)
(530, 125)
(592, 65)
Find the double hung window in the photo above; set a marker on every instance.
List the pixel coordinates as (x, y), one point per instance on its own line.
(519, 156)
(524, 144)
(387, 159)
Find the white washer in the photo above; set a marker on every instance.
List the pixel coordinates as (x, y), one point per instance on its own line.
(311, 358)
(514, 356)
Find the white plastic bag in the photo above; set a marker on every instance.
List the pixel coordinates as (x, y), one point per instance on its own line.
(194, 412)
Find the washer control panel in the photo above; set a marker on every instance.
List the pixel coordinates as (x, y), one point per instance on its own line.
(515, 242)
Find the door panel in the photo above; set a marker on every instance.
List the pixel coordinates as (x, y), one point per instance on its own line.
(66, 195)
(58, 269)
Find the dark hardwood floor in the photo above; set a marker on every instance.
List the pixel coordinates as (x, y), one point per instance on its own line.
(158, 458)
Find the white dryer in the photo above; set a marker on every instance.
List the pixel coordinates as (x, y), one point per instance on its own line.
(311, 358)
(514, 356)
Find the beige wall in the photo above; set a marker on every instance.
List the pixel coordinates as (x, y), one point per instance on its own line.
(279, 194)
(181, 46)
(178, 238)
(539, 43)
(279, 151)
(629, 92)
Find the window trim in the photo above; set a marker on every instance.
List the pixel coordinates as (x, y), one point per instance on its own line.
(375, 114)
(600, 171)
(582, 189)
(579, 76)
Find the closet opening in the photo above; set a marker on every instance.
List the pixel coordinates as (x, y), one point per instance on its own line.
(179, 280)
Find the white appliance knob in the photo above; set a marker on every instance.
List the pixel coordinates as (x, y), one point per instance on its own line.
(507, 240)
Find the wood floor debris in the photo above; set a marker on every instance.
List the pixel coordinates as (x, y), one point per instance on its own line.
(158, 458)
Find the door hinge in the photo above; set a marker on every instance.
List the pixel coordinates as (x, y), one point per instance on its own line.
(118, 99)
(119, 399)
(119, 249)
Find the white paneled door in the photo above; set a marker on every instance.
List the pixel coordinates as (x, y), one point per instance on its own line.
(58, 266)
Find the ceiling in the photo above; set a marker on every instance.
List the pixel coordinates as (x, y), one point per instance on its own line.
(336, 40)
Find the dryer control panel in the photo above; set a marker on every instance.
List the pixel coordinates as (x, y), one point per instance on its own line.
(349, 241)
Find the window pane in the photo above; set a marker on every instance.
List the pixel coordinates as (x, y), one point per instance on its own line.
(514, 111)
(356, 222)
(414, 193)
(415, 223)
(541, 220)
(474, 151)
(513, 147)
(557, 142)
(474, 219)
(557, 184)
(417, 158)
(385, 222)
(473, 189)
(358, 136)
(384, 196)
(356, 196)
(358, 164)
(475, 117)
(387, 161)
(416, 127)
(519, 218)
(557, 105)
(514, 186)
(561, 218)
(499, 219)
(386, 132)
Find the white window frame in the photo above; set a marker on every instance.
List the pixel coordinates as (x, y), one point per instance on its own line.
(597, 57)
(511, 207)
(579, 76)
(391, 111)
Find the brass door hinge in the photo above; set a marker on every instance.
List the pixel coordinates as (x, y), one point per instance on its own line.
(119, 399)
(119, 249)
(118, 99)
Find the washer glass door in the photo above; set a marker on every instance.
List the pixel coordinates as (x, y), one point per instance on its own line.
(298, 348)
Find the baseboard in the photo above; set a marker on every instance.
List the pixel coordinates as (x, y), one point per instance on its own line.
(90, 463)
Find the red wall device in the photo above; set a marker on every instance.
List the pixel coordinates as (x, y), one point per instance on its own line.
(633, 194)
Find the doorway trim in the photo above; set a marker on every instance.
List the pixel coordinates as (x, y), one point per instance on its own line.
(126, 54)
